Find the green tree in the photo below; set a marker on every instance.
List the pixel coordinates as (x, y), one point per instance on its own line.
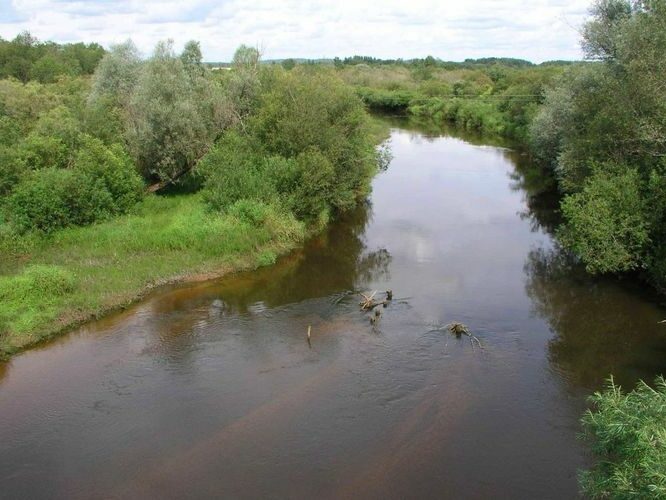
(116, 76)
(171, 121)
(606, 221)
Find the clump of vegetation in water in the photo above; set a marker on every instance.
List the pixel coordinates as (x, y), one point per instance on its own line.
(627, 432)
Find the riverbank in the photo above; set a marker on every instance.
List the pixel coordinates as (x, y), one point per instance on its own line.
(77, 274)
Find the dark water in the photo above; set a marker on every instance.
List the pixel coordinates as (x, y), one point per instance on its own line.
(212, 390)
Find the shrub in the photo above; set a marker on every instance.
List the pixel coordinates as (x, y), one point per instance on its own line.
(233, 171)
(51, 198)
(113, 167)
(101, 183)
(314, 110)
(605, 223)
(628, 435)
(251, 212)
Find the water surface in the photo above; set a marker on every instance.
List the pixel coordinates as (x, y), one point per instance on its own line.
(212, 390)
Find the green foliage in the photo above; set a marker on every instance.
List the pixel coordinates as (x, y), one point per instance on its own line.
(304, 110)
(111, 263)
(628, 434)
(606, 221)
(612, 113)
(385, 99)
(112, 168)
(116, 75)
(306, 148)
(101, 183)
(28, 297)
(250, 211)
(243, 86)
(172, 118)
(26, 58)
(50, 199)
(233, 171)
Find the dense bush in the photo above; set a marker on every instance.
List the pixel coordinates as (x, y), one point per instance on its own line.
(628, 434)
(606, 222)
(101, 183)
(234, 170)
(381, 99)
(315, 110)
(306, 148)
(612, 114)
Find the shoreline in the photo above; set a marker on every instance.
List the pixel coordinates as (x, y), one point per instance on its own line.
(71, 320)
(82, 274)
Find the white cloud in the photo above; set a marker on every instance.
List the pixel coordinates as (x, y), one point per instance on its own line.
(537, 30)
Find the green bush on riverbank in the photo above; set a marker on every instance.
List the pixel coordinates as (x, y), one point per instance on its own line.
(627, 432)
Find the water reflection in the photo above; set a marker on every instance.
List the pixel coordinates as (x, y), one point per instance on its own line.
(600, 327)
(540, 193)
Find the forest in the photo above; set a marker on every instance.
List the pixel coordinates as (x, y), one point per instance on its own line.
(119, 173)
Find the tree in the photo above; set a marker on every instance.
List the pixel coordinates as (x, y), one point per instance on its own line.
(604, 131)
(288, 64)
(116, 75)
(243, 86)
(172, 117)
(192, 58)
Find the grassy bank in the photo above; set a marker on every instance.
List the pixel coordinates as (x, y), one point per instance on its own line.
(51, 283)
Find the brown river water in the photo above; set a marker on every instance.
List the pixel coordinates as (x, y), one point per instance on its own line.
(212, 390)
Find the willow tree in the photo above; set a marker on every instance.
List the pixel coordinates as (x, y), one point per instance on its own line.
(173, 116)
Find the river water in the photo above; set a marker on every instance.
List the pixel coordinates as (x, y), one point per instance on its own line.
(212, 390)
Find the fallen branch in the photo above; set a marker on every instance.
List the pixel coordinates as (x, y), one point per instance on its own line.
(459, 329)
(368, 304)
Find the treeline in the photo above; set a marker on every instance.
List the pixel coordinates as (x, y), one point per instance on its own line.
(602, 128)
(26, 58)
(493, 96)
(444, 64)
(77, 151)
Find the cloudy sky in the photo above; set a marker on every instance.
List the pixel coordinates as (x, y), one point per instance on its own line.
(537, 30)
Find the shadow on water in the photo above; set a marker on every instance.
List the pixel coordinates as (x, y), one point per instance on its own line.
(601, 327)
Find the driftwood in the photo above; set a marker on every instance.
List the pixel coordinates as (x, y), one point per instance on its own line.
(459, 329)
(368, 303)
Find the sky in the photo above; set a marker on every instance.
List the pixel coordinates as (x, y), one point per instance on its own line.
(536, 30)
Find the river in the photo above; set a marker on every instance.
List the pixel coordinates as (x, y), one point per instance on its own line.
(212, 389)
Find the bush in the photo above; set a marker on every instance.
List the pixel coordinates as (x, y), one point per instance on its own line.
(307, 149)
(51, 198)
(251, 212)
(233, 171)
(605, 223)
(101, 183)
(628, 435)
(314, 110)
(113, 167)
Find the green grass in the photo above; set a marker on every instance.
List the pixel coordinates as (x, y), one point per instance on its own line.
(51, 283)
